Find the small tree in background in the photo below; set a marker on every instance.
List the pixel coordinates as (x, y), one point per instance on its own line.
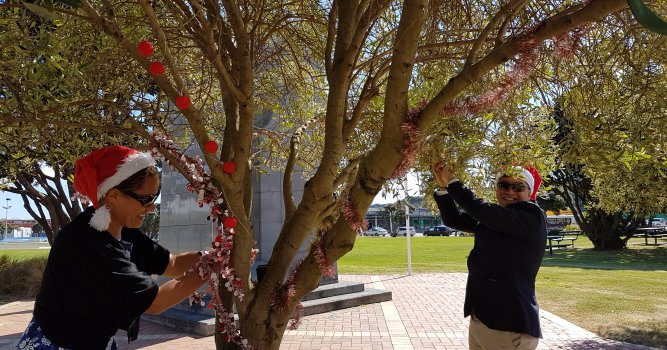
(551, 201)
(151, 225)
(37, 230)
(8, 231)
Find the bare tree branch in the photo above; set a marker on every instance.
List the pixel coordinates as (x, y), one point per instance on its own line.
(288, 196)
(593, 11)
(505, 11)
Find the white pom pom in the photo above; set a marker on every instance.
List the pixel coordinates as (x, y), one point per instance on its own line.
(101, 218)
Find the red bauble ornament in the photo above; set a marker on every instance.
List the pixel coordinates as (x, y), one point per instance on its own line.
(211, 146)
(156, 68)
(229, 167)
(182, 102)
(145, 48)
(229, 222)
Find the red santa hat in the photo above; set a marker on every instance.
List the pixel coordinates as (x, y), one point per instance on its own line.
(531, 177)
(537, 181)
(104, 169)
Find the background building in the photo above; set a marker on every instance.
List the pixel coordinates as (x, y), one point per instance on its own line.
(392, 215)
(20, 228)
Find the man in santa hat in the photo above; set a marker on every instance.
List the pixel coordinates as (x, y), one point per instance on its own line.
(510, 238)
(98, 275)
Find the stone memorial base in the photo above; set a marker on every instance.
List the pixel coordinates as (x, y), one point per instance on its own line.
(328, 297)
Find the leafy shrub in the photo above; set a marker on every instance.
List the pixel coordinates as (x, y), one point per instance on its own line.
(21, 277)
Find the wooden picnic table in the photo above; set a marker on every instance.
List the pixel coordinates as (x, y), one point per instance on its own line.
(651, 232)
(563, 239)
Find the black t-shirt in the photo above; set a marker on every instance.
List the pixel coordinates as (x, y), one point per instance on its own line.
(94, 283)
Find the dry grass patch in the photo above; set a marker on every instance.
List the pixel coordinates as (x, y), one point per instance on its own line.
(652, 332)
(21, 277)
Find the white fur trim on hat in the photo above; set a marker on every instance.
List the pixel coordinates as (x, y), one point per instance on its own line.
(101, 218)
(525, 175)
(132, 164)
(528, 177)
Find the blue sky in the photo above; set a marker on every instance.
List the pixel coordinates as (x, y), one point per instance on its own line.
(16, 211)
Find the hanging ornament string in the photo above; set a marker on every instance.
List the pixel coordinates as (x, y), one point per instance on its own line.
(222, 245)
(211, 146)
(146, 49)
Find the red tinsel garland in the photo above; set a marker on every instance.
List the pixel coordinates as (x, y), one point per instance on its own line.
(207, 193)
(326, 266)
(565, 46)
(356, 221)
(283, 295)
(410, 141)
(295, 321)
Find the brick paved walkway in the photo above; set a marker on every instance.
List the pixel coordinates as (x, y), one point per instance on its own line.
(425, 313)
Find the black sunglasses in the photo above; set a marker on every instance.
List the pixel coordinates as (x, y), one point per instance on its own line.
(146, 201)
(516, 187)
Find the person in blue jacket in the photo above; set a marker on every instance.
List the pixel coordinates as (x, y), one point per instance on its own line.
(510, 238)
(98, 274)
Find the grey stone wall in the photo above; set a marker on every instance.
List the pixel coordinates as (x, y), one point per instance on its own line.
(268, 210)
(183, 224)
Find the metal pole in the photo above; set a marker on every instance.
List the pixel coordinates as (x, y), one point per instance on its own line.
(391, 219)
(407, 234)
(6, 216)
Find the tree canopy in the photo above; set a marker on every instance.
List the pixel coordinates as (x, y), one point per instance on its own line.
(351, 91)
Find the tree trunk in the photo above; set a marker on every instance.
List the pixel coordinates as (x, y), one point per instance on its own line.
(605, 230)
(604, 239)
(264, 329)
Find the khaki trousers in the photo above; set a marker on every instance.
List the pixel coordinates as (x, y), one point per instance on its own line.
(481, 337)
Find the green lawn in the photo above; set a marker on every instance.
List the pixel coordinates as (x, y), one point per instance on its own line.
(385, 255)
(620, 295)
(21, 254)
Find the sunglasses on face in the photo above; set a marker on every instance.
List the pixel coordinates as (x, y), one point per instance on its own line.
(516, 187)
(146, 201)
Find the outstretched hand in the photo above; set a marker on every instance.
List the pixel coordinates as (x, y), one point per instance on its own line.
(443, 173)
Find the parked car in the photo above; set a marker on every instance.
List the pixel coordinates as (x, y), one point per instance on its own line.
(376, 231)
(402, 230)
(440, 230)
(658, 222)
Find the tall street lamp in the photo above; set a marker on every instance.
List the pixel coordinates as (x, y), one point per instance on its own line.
(6, 215)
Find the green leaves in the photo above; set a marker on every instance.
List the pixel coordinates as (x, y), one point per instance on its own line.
(72, 3)
(41, 11)
(48, 12)
(647, 18)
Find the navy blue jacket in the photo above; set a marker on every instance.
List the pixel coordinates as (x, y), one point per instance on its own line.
(502, 266)
(94, 284)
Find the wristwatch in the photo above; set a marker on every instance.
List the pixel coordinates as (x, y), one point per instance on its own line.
(443, 190)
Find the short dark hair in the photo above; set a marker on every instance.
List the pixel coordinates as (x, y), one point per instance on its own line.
(137, 179)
